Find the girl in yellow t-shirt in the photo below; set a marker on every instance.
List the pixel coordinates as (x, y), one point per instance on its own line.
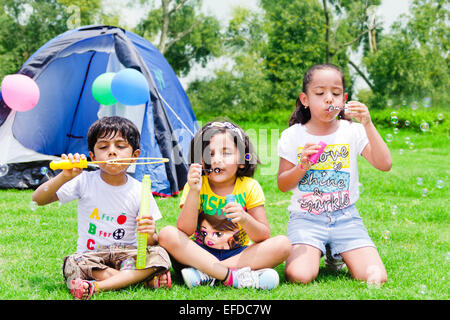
(223, 163)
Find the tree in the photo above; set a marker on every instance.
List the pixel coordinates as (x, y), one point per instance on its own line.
(182, 34)
(412, 62)
(25, 25)
(296, 32)
(241, 92)
(348, 25)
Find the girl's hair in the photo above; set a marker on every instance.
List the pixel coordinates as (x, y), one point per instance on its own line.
(109, 126)
(199, 149)
(302, 114)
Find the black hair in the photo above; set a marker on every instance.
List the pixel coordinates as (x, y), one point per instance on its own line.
(302, 114)
(201, 140)
(109, 126)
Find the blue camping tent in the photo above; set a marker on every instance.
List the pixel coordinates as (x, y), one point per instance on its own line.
(64, 69)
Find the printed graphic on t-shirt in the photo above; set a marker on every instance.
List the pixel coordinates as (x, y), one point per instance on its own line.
(325, 187)
(212, 205)
(105, 228)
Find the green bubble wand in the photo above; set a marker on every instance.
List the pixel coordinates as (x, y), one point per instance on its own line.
(142, 237)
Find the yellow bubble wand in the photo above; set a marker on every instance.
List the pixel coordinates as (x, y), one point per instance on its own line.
(142, 237)
(83, 163)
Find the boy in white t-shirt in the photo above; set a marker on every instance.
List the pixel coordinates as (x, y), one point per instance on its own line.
(108, 215)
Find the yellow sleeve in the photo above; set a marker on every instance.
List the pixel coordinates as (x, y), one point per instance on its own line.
(255, 196)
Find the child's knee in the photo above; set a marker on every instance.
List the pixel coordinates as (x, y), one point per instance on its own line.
(72, 270)
(283, 246)
(297, 276)
(167, 236)
(300, 275)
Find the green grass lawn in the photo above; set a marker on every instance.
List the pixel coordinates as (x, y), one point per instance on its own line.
(413, 239)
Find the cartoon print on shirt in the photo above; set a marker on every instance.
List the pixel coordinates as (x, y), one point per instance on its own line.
(118, 234)
(104, 225)
(122, 218)
(212, 210)
(327, 183)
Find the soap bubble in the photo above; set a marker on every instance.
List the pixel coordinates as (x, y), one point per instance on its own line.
(440, 116)
(419, 181)
(386, 235)
(394, 114)
(389, 103)
(424, 126)
(401, 151)
(3, 169)
(33, 205)
(407, 140)
(411, 145)
(424, 192)
(440, 184)
(389, 137)
(423, 289)
(394, 209)
(360, 188)
(396, 130)
(426, 102)
(407, 123)
(36, 181)
(44, 171)
(414, 105)
(394, 119)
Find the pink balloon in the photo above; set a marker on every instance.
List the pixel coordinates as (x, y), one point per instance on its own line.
(20, 92)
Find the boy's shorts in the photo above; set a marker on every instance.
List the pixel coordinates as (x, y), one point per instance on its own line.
(342, 229)
(81, 265)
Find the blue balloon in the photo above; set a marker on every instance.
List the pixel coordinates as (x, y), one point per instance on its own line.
(130, 87)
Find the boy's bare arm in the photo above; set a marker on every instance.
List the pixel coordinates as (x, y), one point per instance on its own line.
(146, 224)
(46, 192)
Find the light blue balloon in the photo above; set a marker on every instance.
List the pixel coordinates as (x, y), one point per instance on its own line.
(130, 87)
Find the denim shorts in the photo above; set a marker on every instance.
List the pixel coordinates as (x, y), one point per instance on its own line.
(342, 229)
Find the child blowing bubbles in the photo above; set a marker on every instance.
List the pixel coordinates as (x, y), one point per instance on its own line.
(224, 153)
(322, 210)
(108, 207)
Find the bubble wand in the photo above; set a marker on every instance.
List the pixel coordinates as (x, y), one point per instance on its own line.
(315, 157)
(332, 108)
(142, 237)
(83, 163)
